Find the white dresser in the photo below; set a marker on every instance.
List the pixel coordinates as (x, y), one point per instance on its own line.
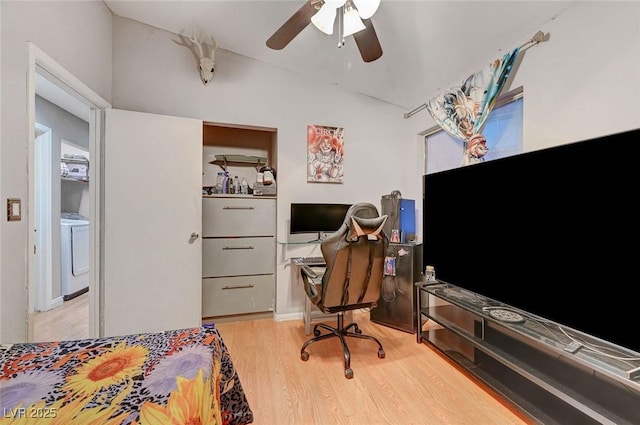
(238, 254)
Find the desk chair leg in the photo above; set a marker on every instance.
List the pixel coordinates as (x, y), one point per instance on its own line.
(348, 372)
(341, 332)
(355, 327)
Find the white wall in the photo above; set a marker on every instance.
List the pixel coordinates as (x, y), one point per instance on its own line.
(380, 145)
(78, 36)
(2, 197)
(585, 81)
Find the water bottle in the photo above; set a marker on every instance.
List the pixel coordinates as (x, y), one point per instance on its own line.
(236, 185)
(244, 186)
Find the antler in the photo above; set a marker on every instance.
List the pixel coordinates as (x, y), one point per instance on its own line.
(186, 42)
(197, 43)
(214, 47)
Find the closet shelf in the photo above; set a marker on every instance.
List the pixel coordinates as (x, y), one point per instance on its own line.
(223, 161)
(71, 179)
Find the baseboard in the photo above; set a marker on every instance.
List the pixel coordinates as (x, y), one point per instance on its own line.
(237, 317)
(56, 302)
(288, 316)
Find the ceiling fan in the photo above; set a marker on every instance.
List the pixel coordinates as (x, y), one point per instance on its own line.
(353, 17)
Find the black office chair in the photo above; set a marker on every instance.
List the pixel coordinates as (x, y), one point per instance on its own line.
(354, 257)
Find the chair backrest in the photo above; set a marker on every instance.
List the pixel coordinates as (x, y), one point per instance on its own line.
(354, 257)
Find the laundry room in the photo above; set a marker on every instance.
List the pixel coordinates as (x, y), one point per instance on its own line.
(74, 221)
(62, 202)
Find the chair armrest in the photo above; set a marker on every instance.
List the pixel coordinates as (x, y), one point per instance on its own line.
(308, 279)
(308, 271)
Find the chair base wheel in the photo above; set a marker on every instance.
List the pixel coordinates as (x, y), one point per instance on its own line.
(343, 333)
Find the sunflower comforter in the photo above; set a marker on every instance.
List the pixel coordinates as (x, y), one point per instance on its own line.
(174, 377)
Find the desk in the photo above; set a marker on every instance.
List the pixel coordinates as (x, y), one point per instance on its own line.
(311, 312)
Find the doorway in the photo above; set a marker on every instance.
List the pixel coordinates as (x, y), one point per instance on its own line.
(49, 81)
(62, 199)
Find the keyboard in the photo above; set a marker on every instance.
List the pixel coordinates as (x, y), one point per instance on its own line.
(311, 261)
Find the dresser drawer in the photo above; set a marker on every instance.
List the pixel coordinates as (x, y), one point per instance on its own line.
(238, 256)
(238, 217)
(223, 296)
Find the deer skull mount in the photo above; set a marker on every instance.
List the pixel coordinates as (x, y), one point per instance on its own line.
(206, 64)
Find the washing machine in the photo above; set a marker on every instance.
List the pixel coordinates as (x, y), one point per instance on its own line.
(74, 257)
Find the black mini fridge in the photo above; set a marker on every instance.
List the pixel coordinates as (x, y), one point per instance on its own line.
(398, 301)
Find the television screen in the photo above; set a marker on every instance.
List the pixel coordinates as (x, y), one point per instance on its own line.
(317, 217)
(551, 232)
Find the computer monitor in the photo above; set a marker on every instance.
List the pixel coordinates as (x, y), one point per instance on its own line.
(317, 218)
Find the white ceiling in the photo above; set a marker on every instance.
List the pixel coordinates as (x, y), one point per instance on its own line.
(428, 45)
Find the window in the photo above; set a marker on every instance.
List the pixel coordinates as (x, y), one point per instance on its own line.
(503, 131)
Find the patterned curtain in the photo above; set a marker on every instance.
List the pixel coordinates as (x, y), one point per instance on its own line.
(463, 109)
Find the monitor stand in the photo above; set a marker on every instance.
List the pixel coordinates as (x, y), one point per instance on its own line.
(321, 236)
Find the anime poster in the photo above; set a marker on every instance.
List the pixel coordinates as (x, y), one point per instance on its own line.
(325, 154)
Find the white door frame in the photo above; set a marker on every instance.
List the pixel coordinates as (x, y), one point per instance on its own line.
(43, 64)
(42, 211)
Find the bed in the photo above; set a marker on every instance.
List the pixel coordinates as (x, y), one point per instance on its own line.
(173, 377)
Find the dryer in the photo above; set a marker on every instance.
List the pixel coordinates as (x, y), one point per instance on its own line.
(74, 257)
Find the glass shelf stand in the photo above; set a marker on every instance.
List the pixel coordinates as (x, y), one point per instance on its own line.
(509, 349)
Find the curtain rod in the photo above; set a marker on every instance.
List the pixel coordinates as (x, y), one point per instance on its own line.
(537, 38)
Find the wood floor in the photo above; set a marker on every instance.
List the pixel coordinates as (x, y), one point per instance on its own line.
(69, 321)
(413, 384)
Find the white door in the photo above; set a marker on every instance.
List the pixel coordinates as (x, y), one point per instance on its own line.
(152, 260)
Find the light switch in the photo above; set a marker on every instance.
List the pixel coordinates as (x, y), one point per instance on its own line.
(13, 209)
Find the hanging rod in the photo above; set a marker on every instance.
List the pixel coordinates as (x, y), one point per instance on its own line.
(537, 38)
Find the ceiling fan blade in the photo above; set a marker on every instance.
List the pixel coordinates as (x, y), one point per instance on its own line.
(368, 43)
(294, 25)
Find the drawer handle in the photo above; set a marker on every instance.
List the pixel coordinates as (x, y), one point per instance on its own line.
(238, 286)
(237, 247)
(238, 208)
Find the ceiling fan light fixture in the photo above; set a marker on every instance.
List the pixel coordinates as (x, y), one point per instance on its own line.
(363, 32)
(323, 20)
(352, 21)
(366, 8)
(325, 17)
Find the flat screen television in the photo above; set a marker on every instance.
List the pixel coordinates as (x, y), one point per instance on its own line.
(317, 217)
(553, 232)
